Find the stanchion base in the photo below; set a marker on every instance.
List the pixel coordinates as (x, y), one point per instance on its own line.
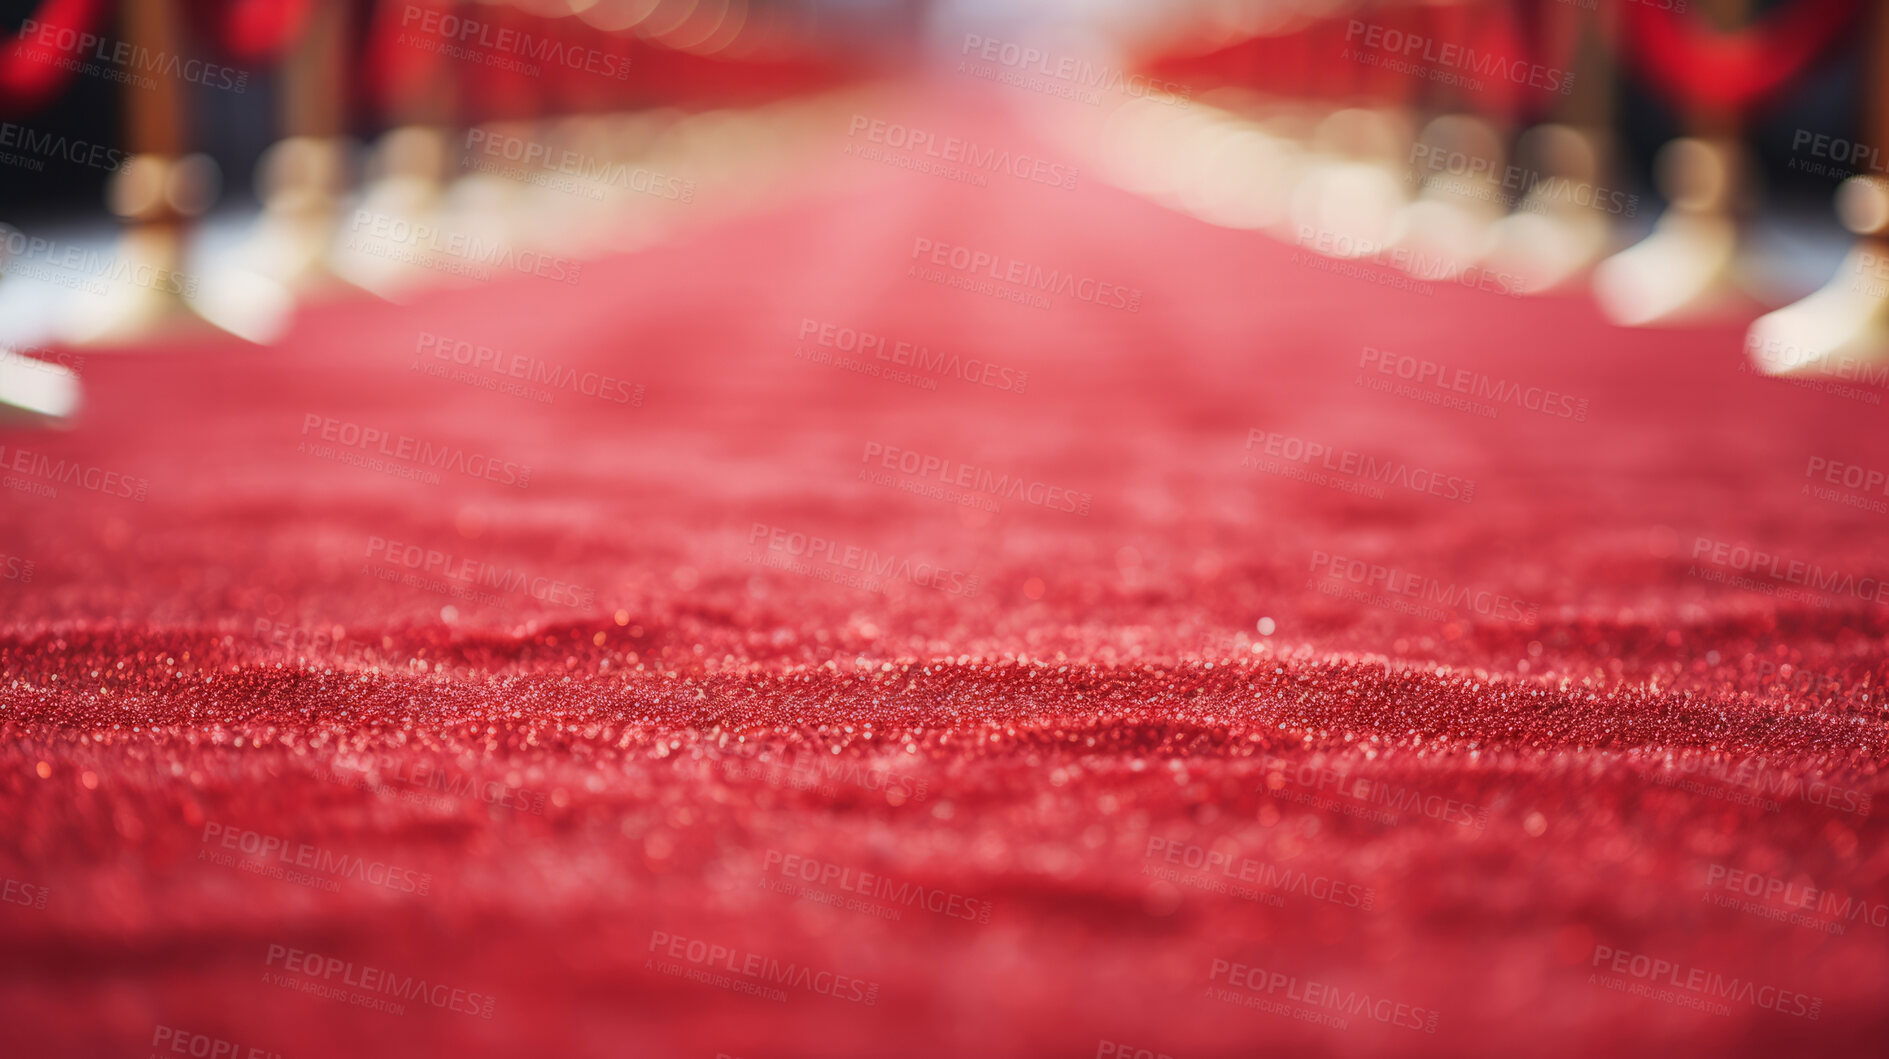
(1451, 224)
(1546, 250)
(150, 298)
(1687, 271)
(1845, 324)
(385, 246)
(1561, 228)
(1683, 273)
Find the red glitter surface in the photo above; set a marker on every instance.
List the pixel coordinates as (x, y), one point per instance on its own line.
(1456, 817)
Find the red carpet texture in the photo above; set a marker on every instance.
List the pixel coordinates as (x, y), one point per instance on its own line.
(824, 635)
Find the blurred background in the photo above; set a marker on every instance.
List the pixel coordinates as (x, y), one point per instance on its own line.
(193, 116)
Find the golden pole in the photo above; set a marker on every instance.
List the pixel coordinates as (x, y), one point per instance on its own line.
(155, 191)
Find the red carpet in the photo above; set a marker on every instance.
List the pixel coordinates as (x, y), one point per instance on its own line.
(689, 727)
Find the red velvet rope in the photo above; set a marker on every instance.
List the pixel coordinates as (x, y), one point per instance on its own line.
(598, 66)
(496, 83)
(1696, 66)
(1382, 83)
(1286, 62)
(1329, 80)
(35, 64)
(252, 30)
(403, 59)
